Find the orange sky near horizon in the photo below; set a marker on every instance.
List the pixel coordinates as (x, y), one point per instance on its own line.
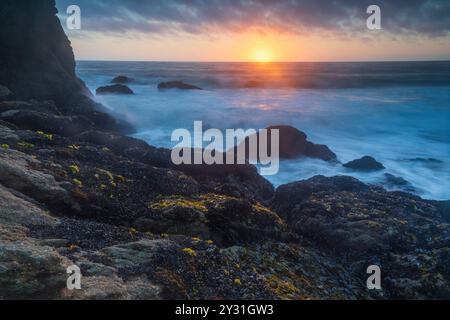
(252, 46)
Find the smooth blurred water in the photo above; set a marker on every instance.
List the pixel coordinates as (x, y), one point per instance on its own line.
(398, 113)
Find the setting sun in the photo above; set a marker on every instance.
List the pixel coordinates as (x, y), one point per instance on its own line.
(262, 55)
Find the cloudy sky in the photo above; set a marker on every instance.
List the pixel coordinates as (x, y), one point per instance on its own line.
(242, 30)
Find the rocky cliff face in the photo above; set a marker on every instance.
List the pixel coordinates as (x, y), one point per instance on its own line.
(37, 62)
(75, 191)
(36, 59)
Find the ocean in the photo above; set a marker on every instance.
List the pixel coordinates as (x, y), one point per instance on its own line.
(396, 112)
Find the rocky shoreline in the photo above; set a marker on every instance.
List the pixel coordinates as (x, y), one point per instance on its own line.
(74, 189)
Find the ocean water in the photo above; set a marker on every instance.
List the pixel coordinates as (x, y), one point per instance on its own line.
(397, 112)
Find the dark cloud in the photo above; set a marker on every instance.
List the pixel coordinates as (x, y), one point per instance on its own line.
(346, 17)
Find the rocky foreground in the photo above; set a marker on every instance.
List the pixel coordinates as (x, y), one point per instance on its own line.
(75, 190)
(138, 229)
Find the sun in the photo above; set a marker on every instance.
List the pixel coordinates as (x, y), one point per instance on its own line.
(262, 55)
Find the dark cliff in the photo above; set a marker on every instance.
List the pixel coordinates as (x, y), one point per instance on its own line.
(37, 62)
(36, 59)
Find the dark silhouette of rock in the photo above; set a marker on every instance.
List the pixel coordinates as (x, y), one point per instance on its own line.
(253, 84)
(366, 163)
(114, 89)
(177, 85)
(293, 143)
(121, 79)
(36, 59)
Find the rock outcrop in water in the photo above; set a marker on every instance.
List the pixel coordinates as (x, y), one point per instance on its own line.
(177, 85)
(294, 144)
(141, 228)
(121, 79)
(114, 89)
(366, 163)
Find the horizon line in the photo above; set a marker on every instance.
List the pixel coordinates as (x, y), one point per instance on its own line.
(268, 62)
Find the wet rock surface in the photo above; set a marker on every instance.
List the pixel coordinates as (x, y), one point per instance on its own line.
(114, 89)
(121, 79)
(177, 85)
(366, 163)
(293, 143)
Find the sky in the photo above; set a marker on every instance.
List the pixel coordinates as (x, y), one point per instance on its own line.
(258, 30)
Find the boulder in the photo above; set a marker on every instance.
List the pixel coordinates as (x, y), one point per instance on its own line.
(16, 213)
(365, 223)
(287, 196)
(17, 173)
(253, 84)
(366, 163)
(121, 79)
(30, 272)
(293, 143)
(177, 85)
(347, 217)
(134, 254)
(226, 220)
(27, 270)
(114, 89)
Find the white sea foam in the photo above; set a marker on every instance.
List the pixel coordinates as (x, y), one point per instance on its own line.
(400, 125)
